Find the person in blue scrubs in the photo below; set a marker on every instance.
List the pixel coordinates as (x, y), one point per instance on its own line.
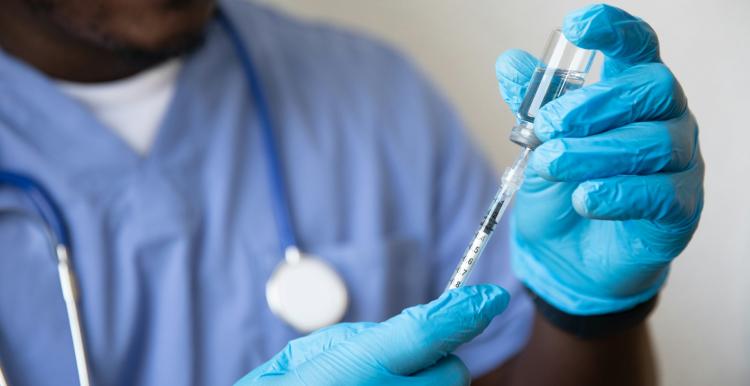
(174, 240)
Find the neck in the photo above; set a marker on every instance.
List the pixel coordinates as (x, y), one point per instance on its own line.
(40, 43)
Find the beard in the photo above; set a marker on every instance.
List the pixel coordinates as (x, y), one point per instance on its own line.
(135, 31)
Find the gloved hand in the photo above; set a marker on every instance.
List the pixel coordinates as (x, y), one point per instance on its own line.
(412, 348)
(615, 191)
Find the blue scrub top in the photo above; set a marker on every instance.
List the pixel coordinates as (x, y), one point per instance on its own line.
(173, 249)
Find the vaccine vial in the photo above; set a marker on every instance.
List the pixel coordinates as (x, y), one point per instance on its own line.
(563, 68)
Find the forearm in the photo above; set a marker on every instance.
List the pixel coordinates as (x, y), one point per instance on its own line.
(554, 357)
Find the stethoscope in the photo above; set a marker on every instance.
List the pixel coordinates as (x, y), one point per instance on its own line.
(57, 232)
(304, 291)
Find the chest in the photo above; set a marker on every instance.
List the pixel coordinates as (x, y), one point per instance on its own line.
(172, 259)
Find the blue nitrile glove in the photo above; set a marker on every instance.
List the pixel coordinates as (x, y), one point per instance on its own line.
(616, 190)
(412, 348)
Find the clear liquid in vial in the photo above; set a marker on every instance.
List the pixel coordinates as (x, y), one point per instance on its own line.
(547, 84)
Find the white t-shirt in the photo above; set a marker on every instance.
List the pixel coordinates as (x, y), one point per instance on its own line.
(133, 107)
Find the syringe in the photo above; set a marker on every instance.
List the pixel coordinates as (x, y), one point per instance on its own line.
(564, 68)
(509, 184)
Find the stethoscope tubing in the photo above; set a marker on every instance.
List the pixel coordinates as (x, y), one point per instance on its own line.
(42, 200)
(282, 213)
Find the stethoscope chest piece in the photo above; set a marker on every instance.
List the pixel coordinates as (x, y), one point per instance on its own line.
(306, 292)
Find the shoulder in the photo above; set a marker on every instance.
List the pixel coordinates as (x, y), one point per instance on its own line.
(315, 54)
(307, 38)
(340, 83)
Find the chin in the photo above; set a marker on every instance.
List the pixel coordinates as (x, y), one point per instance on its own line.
(154, 26)
(137, 29)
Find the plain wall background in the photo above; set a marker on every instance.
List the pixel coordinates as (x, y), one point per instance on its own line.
(702, 325)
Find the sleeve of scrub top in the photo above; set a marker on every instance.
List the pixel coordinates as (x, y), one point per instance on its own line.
(466, 184)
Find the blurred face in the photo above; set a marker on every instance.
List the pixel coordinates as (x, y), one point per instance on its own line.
(140, 30)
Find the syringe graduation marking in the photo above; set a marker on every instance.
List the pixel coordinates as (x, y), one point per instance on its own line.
(489, 224)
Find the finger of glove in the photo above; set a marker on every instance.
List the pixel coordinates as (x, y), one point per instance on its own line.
(646, 92)
(640, 148)
(422, 335)
(665, 198)
(513, 70)
(624, 39)
(301, 350)
(449, 371)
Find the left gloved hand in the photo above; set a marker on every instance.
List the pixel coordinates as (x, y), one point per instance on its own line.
(615, 191)
(412, 348)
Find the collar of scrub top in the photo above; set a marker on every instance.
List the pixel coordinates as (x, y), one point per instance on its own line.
(304, 291)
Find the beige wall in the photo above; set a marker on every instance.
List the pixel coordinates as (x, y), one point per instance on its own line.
(702, 326)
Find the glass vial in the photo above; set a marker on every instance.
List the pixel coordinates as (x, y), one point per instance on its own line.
(563, 68)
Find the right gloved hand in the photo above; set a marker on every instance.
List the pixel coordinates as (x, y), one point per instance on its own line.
(412, 348)
(615, 192)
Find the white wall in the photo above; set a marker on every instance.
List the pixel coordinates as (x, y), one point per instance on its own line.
(702, 326)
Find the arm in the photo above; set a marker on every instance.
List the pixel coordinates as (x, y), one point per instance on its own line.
(554, 357)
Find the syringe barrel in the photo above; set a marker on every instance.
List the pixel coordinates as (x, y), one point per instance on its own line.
(563, 68)
(509, 184)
